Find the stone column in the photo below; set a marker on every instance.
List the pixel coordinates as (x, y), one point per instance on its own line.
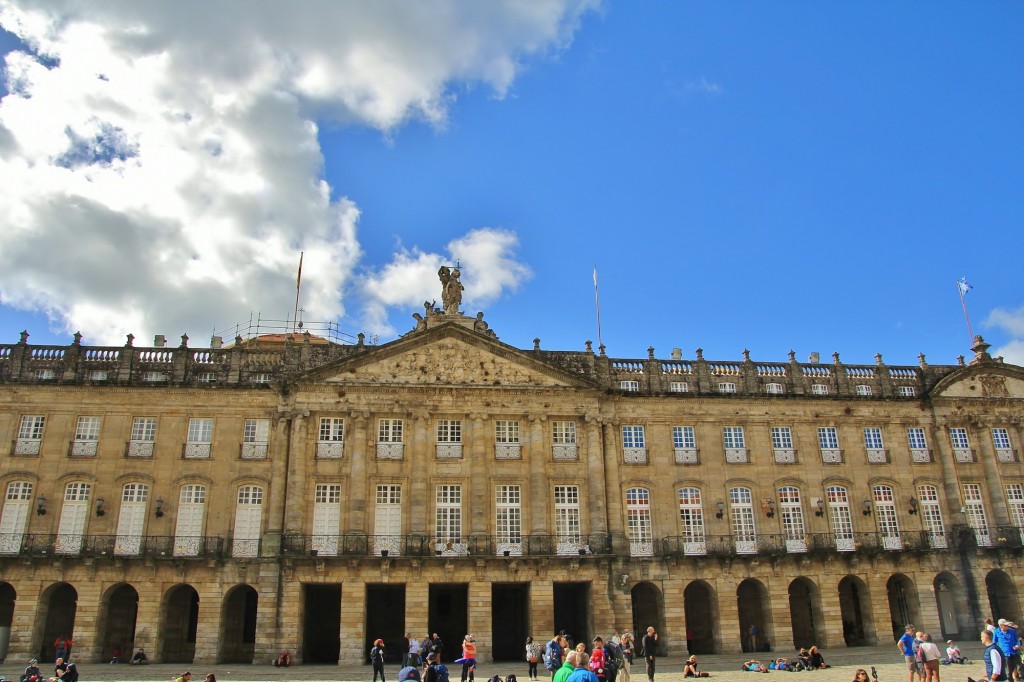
(728, 632)
(356, 522)
(296, 494)
(147, 619)
(479, 618)
(538, 493)
(270, 638)
(353, 616)
(278, 492)
(831, 614)
(995, 493)
(542, 613)
(88, 642)
(478, 484)
(602, 452)
(950, 483)
(22, 645)
(419, 454)
(779, 632)
(208, 629)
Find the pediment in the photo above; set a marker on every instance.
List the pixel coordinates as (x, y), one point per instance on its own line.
(988, 380)
(448, 357)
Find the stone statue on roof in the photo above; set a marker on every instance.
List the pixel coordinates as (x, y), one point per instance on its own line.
(451, 289)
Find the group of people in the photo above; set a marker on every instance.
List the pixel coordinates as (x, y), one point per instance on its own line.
(62, 672)
(806, 659)
(607, 661)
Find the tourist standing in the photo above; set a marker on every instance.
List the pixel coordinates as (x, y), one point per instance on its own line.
(650, 646)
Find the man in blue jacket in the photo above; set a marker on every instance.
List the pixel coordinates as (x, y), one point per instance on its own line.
(1008, 641)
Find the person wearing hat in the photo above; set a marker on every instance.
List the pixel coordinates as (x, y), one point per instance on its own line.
(409, 673)
(436, 671)
(1008, 641)
(953, 654)
(32, 673)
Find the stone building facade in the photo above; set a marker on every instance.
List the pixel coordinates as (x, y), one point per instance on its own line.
(223, 504)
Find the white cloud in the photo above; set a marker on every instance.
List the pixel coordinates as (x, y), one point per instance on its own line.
(705, 86)
(161, 161)
(1011, 321)
(488, 267)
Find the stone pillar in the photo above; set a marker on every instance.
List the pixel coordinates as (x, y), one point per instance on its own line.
(601, 448)
(420, 453)
(831, 613)
(995, 493)
(779, 632)
(539, 490)
(542, 613)
(417, 606)
(353, 619)
(728, 632)
(675, 611)
(950, 485)
(289, 613)
(878, 606)
(208, 630)
(479, 510)
(270, 638)
(356, 521)
(295, 502)
(479, 618)
(22, 646)
(280, 454)
(88, 642)
(147, 619)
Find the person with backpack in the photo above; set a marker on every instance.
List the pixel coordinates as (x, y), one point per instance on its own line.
(377, 659)
(616, 661)
(553, 655)
(435, 671)
(534, 651)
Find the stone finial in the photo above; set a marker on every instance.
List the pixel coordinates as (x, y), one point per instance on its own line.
(792, 356)
(700, 353)
(24, 338)
(746, 355)
(362, 340)
(306, 336)
(78, 339)
(536, 344)
(835, 357)
(960, 360)
(238, 340)
(184, 341)
(650, 352)
(131, 341)
(878, 358)
(921, 360)
(590, 346)
(601, 349)
(980, 349)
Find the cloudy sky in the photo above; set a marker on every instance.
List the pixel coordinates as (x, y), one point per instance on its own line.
(771, 176)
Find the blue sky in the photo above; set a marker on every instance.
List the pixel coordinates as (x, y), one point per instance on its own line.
(770, 176)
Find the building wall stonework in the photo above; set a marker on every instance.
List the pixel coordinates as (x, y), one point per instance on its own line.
(473, 487)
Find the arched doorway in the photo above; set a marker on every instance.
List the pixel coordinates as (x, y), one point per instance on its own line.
(755, 615)
(1002, 596)
(951, 602)
(58, 604)
(118, 616)
(7, 598)
(855, 608)
(648, 612)
(701, 609)
(904, 606)
(179, 620)
(238, 625)
(805, 613)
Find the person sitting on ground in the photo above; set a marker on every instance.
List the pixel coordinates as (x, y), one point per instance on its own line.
(32, 673)
(115, 656)
(953, 654)
(140, 657)
(283, 660)
(803, 659)
(70, 673)
(817, 660)
(690, 668)
(861, 675)
(185, 677)
(210, 677)
(59, 666)
(755, 666)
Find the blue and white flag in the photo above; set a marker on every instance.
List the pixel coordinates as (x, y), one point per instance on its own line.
(964, 286)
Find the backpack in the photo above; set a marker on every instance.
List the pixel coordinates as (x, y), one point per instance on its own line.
(511, 678)
(441, 672)
(614, 653)
(376, 655)
(552, 660)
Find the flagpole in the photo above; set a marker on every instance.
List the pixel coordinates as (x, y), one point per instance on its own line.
(298, 286)
(960, 288)
(597, 306)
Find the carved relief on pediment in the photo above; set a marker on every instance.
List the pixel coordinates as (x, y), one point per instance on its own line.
(993, 386)
(449, 362)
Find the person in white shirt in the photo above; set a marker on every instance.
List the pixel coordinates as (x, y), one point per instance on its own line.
(930, 655)
(953, 652)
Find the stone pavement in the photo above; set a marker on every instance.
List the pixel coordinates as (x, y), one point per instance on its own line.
(723, 666)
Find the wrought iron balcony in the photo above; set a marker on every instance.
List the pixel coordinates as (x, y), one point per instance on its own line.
(123, 546)
(422, 545)
(816, 544)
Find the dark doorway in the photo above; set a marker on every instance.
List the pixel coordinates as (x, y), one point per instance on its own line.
(805, 614)
(904, 606)
(951, 602)
(385, 619)
(60, 602)
(647, 612)
(1002, 596)
(755, 615)
(120, 610)
(448, 617)
(572, 604)
(854, 604)
(238, 625)
(701, 609)
(179, 622)
(321, 625)
(510, 618)
(7, 598)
